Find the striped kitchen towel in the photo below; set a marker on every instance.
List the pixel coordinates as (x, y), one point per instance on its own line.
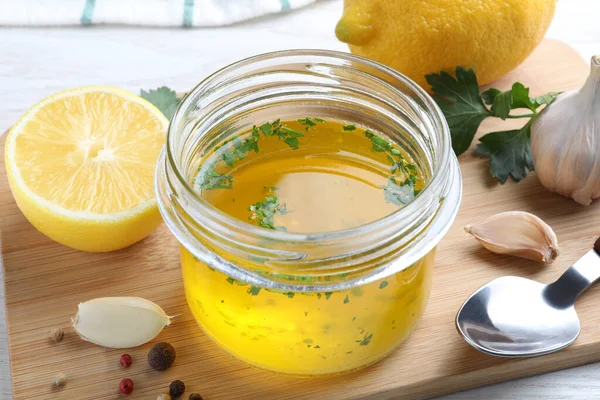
(172, 13)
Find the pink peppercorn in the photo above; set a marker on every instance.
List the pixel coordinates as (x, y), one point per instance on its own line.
(126, 386)
(125, 361)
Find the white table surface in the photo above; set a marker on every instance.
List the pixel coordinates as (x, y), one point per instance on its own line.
(37, 62)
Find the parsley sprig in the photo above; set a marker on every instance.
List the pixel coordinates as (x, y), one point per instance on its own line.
(465, 108)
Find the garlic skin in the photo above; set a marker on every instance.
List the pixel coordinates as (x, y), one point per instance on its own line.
(119, 322)
(565, 141)
(517, 233)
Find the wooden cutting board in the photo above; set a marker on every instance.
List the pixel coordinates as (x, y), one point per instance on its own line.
(45, 281)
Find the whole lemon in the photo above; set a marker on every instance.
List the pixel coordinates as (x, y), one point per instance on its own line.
(419, 37)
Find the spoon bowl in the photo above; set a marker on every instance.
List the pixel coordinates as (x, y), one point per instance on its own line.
(510, 317)
(518, 317)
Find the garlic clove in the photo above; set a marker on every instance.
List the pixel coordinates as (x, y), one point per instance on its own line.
(517, 233)
(119, 322)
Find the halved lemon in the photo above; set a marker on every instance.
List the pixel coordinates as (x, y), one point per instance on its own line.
(80, 164)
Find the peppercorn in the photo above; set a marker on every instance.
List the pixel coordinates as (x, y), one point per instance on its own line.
(125, 361)
(126, 386)
(161, 356)
(60, 380)
(57, 335)
(195, 396)
(176, 389)
(164, 396)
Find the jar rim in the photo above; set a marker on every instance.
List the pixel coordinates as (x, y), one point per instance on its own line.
(296, 237)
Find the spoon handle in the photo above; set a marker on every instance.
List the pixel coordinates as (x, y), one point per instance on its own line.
(575, 280)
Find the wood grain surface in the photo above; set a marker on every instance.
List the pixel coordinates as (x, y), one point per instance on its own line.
(45, 282)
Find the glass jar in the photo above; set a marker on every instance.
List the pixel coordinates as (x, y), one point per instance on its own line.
(307, 304)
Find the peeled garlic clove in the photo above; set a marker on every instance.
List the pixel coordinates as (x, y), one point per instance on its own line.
(565, 141)
(517, 233)
(119, 322)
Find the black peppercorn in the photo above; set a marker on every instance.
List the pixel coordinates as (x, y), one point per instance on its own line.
(161, 356)
(176, 389)
(195, 396)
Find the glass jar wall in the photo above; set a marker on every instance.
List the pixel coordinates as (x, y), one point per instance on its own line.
(307, 303)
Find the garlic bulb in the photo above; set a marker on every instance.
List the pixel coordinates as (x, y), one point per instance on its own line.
(119, 322)
(517, 233)
(565, 141)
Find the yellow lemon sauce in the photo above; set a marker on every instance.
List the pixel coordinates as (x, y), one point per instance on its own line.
(308, 176)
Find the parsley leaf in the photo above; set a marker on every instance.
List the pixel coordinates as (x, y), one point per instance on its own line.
(509, 152)
(240, 148)
(366, 340)
(292, 142)
(254, 290)
(396, 193)
(349, 127)
(229, 158)
(290, 137)
(266, 129)
(380, 144)
(308, 122)
(290, 132)
(399, 193)
(287, 135)
(501, 104)
(461, 103)
(520, 97)
(163, 98)
(211, 179)
(545, 99)
(489, 95)
(264, 212)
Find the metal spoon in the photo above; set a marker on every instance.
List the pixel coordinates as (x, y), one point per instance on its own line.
(518, 317)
